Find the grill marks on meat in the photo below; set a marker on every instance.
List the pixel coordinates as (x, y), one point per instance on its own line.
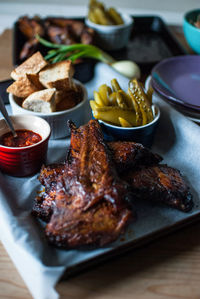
(90, 206)
(160, 183)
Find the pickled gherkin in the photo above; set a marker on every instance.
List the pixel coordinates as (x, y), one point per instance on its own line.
(117, 107)
(100, 15)
(112, 114)
(140, 96)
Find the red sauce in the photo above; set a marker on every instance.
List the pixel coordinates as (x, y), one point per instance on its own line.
(24, 138)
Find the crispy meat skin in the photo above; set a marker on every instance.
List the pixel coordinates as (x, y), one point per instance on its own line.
(131, 154)
(160, 183)
(85, 200)
(44, 204)
(90, 206)
(124, 154)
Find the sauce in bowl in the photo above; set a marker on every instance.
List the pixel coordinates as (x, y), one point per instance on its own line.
(24, 138)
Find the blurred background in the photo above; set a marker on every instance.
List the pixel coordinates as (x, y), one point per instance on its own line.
(171, 10)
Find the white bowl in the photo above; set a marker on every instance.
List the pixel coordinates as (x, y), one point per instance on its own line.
(112, 37)
(57, 120)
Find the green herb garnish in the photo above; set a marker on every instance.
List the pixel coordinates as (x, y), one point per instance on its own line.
(73, 52)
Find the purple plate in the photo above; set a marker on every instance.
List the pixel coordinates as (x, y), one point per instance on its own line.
(178, 80)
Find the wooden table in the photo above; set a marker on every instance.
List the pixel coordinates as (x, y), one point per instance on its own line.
(166, 268)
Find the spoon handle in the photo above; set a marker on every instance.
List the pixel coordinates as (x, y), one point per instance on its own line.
(6, 116)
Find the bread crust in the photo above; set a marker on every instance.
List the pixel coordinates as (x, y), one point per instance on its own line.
(22, 88)
(41, 101)
(32, 65)
(57, 75)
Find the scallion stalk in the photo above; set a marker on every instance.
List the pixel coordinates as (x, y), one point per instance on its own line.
(73, 52)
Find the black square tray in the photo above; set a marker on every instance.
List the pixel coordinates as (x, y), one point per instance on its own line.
(151, 41)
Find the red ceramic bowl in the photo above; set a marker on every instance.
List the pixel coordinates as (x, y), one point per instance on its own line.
(24, 161)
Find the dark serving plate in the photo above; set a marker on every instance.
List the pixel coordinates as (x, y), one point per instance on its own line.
(151, 41)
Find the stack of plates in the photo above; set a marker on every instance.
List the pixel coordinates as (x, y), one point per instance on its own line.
(177, 80)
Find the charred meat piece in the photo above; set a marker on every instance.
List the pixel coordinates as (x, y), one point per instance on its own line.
(43, 204)
(90, 201)
(60, 35)
(87, 36)
(66, 31)
(31, 26)
(131, 154)
(90, 162)
(62, 22)
(70, 227)
(160, 183)
(29, 48)
(125, 155)
(56, 30)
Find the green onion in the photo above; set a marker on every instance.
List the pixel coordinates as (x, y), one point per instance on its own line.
(73, 52)
(61, 52)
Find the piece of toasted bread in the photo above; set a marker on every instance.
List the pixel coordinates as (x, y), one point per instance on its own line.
(32, 65)
(34, 78)
(22, 88)
(57, 75)
(41, 101)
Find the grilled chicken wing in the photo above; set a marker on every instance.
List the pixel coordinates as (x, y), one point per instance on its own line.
(160, 183)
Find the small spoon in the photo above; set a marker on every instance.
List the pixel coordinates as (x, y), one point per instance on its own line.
(6, 117)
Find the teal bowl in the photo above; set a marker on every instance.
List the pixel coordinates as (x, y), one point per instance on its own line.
(192, 33)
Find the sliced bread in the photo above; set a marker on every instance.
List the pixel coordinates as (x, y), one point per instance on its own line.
(32, 65)
(22, 88)
(34, 78)
(41, 101)
(57, 75)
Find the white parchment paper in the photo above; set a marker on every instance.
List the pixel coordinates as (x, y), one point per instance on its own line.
(40, 265)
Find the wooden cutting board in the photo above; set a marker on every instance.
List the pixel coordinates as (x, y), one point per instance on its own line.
(6, 54)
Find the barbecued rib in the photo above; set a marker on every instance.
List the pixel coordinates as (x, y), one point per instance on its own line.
(160, 183)
(127, 155)
(90, 205)
(44, 203)
(124, 155)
